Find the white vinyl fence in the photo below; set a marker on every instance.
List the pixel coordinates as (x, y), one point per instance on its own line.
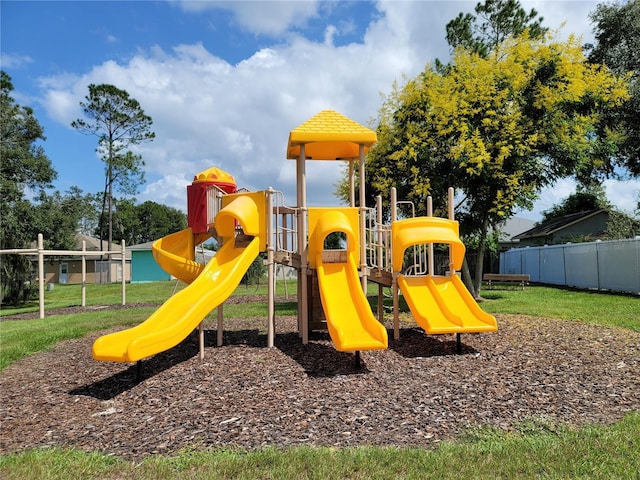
(611, 265)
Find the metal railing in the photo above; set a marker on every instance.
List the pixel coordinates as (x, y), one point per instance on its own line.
(285, 225)
(214, 203)
(378, 240)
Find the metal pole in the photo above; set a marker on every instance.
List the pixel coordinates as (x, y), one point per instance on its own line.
(431, 264)
(352, 184)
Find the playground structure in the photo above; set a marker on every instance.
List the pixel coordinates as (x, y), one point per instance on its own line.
(248, 223)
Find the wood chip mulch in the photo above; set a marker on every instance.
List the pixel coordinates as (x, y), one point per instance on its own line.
(244, 395)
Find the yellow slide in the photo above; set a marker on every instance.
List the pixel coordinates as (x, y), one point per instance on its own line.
(438, 304)
(351, 323)
(182, 312)
(175, 253)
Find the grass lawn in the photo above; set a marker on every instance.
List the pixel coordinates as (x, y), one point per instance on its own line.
(535, 450)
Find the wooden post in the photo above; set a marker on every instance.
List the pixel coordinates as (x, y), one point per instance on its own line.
(380, 260)
(303, 292)
(124, 273)
(452, 271)
(271, 281)
(41, 273)
(84, 273)
(220, 325)
(394, 281)
(201, 339)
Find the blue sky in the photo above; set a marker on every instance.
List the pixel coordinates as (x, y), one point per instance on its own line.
(225, 82)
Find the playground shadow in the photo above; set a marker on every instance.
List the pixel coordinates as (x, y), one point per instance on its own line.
(251, 338)
(110, 387)
(120, 382)
(414, 343)
(319, 358)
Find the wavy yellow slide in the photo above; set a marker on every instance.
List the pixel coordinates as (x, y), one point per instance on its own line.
(352, 326)
(438, 304)
(181, 313)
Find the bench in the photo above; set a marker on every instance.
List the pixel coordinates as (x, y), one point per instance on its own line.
(521, 278)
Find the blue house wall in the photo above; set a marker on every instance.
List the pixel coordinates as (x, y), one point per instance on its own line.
(144, 268)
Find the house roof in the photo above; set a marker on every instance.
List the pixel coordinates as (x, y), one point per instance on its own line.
(92, 244)
(514, 226)
(557, 224)
(141, 246)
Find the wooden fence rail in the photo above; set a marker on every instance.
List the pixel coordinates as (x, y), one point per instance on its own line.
(41, 252)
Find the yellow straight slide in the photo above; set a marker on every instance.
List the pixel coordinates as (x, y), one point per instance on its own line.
(182, 312)
(351, 323)
(444, 305)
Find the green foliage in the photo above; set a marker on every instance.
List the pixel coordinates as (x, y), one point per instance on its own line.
(24, 163)
(145, 222)
(496, 21)
(255, 272)
(621, 225)
(617, 34)
(498, 128)
(23, 166)
(58, 216)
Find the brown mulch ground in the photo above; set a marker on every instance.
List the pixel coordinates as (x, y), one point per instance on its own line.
(416, 393)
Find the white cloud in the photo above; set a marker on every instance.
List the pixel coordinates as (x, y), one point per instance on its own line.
(623, 194)
(549, 197)
(8, 60)
(261, 17)
(169, 190)
(207, 112)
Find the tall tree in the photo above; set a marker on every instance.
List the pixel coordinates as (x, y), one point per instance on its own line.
(583, 200)
(59, 216)
(496, 21)
(119, 123)
(498, 128)
(147, 221)
(23, 166)
(617, 35)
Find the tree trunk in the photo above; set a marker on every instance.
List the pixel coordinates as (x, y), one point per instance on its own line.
(110, 200)
(466, 278)
(477, 284)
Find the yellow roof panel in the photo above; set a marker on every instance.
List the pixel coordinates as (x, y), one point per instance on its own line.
(329, 135)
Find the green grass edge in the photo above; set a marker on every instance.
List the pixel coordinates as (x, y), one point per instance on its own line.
(594, 451)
